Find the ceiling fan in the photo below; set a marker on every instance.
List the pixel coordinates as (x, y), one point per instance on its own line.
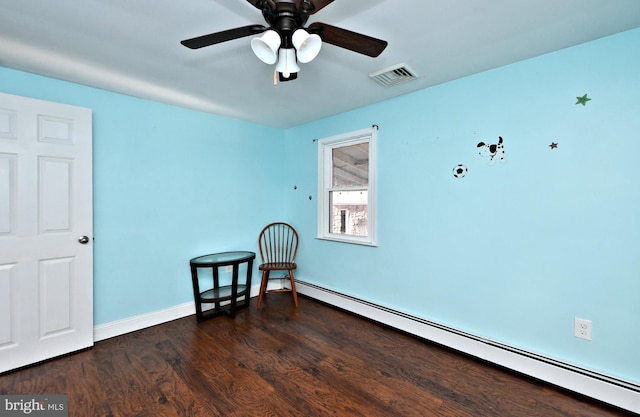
(286, 40)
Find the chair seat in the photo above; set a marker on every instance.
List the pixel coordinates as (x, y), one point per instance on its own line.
(277, 266)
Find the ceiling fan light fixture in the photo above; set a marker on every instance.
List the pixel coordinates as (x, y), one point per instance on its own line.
(308, 46)
(287, 62)
(284, 41)
(266, 46)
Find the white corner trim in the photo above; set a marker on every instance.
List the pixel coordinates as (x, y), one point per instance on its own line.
(625, 395)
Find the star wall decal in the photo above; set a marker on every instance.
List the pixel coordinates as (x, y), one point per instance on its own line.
(582, 100)
(553, 145)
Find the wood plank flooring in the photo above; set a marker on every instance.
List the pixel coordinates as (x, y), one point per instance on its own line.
(279, 361)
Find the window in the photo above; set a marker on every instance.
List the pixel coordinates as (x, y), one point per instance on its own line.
(346, 187)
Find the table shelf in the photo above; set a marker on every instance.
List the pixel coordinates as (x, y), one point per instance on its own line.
(223, 293)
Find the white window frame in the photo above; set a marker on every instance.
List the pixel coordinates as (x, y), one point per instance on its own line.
(325, 147)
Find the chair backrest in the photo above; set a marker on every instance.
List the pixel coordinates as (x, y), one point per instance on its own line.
(278, 243)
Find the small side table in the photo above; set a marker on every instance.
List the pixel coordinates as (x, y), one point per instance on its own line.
(218, 293)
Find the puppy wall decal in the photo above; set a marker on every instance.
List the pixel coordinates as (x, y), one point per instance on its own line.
(495, 151)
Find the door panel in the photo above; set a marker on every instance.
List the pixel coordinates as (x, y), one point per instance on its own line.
(56, 287)
(55, 194)
(46, 275)
(7, 193)
(7, 307)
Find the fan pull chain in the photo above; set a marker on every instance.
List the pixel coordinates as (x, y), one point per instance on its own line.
(275, 78)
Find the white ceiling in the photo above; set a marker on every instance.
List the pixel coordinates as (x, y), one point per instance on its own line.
(133, 47)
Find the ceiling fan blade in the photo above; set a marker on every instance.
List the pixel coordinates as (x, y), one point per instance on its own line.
(347, 39)
(311, 6)
(225, 35)
(259, 4)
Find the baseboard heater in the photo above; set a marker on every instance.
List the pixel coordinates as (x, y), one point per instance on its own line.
(611, 390)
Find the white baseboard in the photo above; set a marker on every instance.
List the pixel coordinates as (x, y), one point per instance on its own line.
(142, 321)
(619, 393)
(131, 324)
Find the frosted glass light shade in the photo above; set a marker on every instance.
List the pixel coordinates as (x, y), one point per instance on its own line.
(307, 46)
(266, 46)
(287, 62)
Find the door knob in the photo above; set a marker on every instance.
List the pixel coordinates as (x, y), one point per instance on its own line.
(84, 240)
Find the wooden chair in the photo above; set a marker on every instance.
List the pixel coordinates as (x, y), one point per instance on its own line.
(278, 244)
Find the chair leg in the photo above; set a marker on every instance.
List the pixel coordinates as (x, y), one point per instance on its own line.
(293, 289)
(263, 286)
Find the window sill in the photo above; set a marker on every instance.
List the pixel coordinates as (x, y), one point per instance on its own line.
(347, 240)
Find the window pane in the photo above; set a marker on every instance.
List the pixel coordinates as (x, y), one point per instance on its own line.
(348, 212)
(350, 165)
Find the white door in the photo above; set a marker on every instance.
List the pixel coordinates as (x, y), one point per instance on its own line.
(46, 271)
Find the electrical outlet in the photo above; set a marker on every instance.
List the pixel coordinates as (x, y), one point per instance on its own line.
(228, 268)
(582, 328)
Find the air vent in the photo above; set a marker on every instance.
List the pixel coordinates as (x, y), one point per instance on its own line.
(394, 75)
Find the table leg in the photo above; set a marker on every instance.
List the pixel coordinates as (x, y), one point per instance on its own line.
(216, 284)
(234, 291)
(196, 292)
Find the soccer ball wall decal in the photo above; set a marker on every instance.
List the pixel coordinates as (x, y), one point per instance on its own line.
(459, 171)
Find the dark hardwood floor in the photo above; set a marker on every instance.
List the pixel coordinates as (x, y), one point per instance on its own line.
(279, 361)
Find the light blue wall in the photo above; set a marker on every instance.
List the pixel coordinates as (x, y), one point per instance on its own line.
(512, 252)
(169, 184)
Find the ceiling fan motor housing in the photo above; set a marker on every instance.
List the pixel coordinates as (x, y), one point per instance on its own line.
(285, 17)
